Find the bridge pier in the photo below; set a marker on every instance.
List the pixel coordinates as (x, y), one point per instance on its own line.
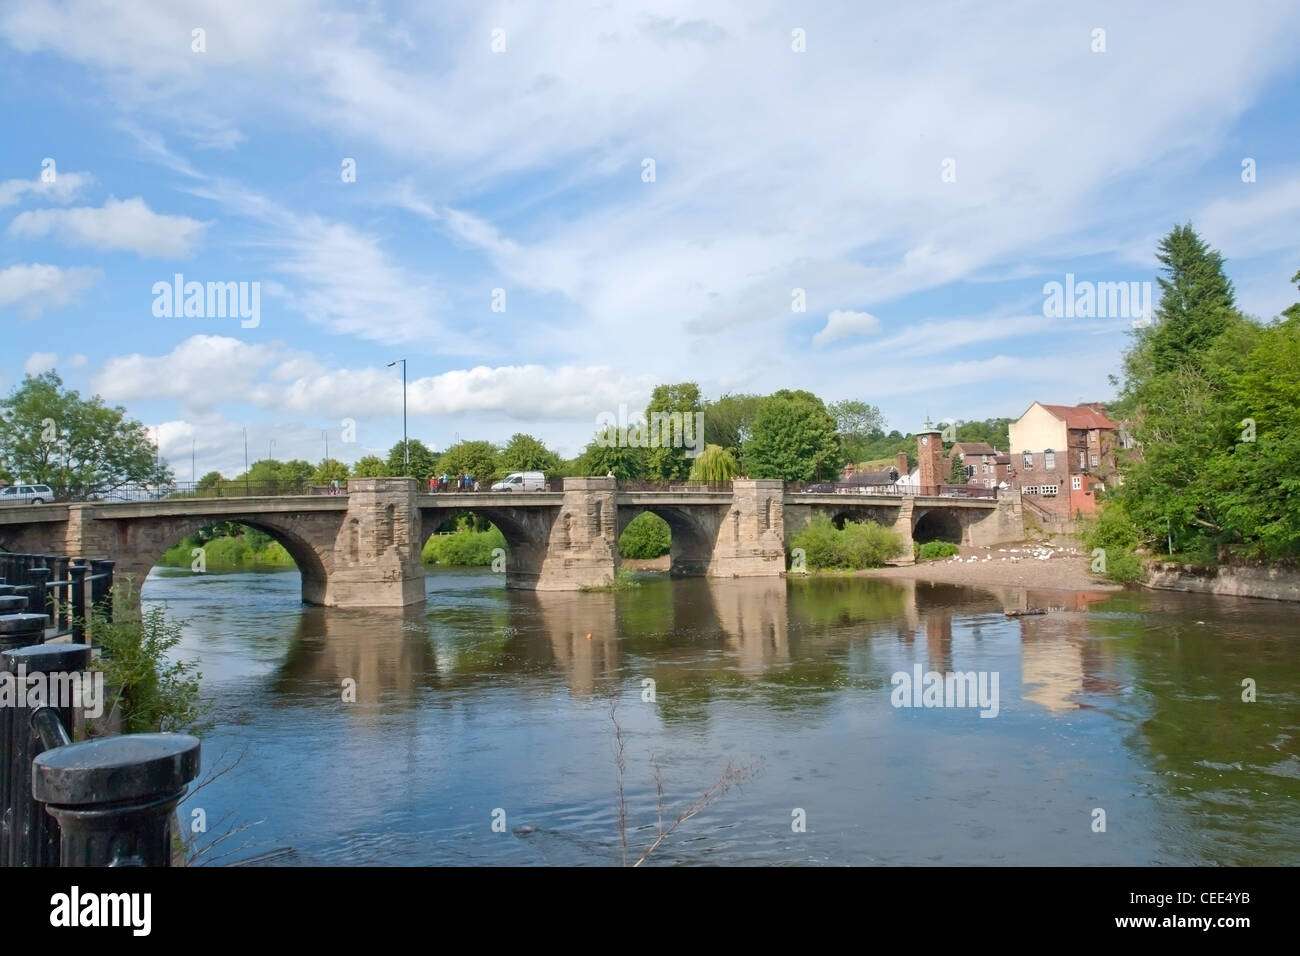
(581, 550)
(751, 540)
(375, 561)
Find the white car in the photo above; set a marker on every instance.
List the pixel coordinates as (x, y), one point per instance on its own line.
(34, 494)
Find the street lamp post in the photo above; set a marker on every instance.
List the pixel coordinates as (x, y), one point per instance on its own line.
(326, 436)
(270, 450)
(193, 446)
(406, 451)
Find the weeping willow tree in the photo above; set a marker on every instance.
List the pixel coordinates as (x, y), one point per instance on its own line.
(714, 466)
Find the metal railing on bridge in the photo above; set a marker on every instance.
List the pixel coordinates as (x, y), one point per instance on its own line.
(889, 491)
(676, 487)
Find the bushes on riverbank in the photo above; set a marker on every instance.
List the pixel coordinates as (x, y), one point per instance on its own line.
(933, 550)
(857, 545)
(242, 552)
(464, 548)
(646, 536)
(1118, 537)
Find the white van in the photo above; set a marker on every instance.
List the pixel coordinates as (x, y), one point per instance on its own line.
(522, 481)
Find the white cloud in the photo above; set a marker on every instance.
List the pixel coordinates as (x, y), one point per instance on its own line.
(120, 224)
(36, 287)
(64, 188)
(39, 362)
(206, 371)
(842, 324)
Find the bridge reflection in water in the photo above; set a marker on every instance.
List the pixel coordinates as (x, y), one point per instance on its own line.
(696, 639)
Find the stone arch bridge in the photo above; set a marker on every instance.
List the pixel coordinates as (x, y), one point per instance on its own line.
(363, 549)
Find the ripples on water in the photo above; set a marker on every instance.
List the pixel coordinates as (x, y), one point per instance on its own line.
(486, 698)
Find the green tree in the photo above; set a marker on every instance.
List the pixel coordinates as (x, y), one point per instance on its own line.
(793, 438)
(856, 423)
(369, 466)
(670, 417)
(526, 453)
(1178, 395)
(423, 461)
(727, 422)
(609, 452)
(330, 469)
(210, 481)
(475, 458)
(715, 465)
(957, 473)
(1196, 302)
(79, 447)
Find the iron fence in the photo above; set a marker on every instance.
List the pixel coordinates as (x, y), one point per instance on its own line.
(65, 591)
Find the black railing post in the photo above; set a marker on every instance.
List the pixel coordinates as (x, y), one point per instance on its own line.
(101, 586)
(114, 798)
(77, 598)
(61, 594)
(30, 835)
(38, 596)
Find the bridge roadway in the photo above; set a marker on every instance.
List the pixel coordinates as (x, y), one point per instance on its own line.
(363, 548)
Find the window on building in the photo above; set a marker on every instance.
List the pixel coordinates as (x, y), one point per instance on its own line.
(1029, 460)
(1082, 461)
(1076, 482)
(1049, 459)
(1094, 461)
(1092, 437)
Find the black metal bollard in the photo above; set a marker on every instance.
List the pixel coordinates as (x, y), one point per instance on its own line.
(20, 630)
(114, 798)
(28, 835)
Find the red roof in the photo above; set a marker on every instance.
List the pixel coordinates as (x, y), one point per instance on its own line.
(1080, 416)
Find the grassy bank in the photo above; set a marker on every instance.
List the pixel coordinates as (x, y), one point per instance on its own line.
(243, 552)
(463, 548)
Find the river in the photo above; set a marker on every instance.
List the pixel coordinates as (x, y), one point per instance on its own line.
(492, 706)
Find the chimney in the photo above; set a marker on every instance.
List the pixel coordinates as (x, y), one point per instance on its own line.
(901, 461)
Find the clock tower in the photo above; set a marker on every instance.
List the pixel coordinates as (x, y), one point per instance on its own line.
(929, 455)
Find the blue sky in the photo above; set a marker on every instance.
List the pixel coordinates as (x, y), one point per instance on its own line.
(523, 170)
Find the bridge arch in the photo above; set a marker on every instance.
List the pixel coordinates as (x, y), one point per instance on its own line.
(938, 524)
(691, 549)
(142, 543)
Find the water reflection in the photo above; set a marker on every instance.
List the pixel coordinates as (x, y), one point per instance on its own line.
(487, 698)
(385, 652)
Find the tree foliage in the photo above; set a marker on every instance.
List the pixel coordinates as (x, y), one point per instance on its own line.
(670, 413)
(610, 452)
(423, 460)
(857, 423)
(1212, 399)
(526, 453)
(793, 438)
(475, 458)
(369, 466)
(715, 465)
(79, 447)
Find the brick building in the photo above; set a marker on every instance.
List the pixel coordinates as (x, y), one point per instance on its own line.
(1061, 455)
(986, 467)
